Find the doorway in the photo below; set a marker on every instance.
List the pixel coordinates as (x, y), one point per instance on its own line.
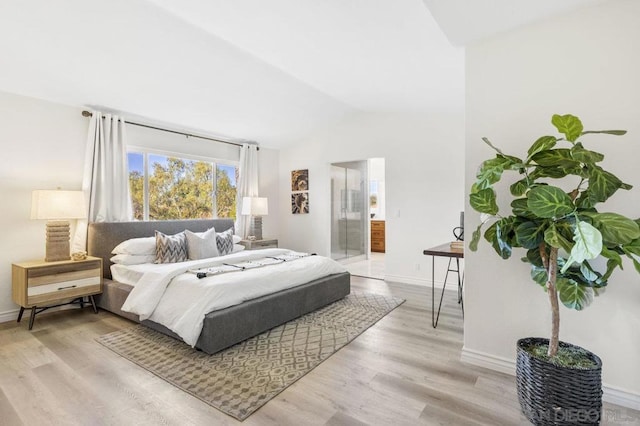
(349, 210)
(358, 216)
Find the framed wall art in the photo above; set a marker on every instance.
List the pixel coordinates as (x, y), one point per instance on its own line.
(300, 203)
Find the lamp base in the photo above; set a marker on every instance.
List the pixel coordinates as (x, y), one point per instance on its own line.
(58, 234)
(256, 227)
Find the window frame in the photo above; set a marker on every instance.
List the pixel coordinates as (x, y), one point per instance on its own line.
(185, 156)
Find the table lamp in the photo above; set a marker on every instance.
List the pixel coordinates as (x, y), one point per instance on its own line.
(57, 207)
(256, 207)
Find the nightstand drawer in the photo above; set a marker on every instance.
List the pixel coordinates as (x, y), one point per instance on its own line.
(62, 286)
(39, 277)
(264, 244)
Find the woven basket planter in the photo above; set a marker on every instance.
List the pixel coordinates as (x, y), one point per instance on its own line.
(555, 395)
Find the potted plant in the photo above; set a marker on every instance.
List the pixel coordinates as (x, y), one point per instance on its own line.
(554, 218)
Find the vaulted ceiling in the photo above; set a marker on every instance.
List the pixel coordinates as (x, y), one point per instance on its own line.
(270, 71)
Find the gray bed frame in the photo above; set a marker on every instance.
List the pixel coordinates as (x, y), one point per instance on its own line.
(225, 327)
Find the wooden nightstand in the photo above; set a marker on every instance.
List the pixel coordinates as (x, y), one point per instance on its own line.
(40, 285)
(259, 244)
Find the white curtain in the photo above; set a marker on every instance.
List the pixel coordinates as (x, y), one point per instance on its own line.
(106, 175)
(247, 185)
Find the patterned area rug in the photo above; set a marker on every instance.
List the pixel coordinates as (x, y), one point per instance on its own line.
(242, 378)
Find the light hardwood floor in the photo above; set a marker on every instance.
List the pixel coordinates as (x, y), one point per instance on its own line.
(399, 372)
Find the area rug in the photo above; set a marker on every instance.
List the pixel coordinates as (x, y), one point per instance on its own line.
(242, 378)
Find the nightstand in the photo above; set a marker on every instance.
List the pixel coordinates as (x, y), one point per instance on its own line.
(40, 285)
(259, 244)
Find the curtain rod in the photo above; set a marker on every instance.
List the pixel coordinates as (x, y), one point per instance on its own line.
(89, 114)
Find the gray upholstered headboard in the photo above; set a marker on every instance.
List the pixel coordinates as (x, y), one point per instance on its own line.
(102, 237)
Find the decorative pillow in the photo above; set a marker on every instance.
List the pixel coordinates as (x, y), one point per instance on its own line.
(237, 239)
(138, 246)
(171, 248)
(133, 259)
(237, 248)
(225, 242)
(201, 245)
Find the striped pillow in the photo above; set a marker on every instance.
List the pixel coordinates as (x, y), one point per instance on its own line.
(224, 241)
(171, 248)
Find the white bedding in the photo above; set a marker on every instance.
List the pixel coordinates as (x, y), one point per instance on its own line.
(171, 296)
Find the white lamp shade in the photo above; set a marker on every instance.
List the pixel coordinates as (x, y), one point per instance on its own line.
(255, 206)
(57, 204)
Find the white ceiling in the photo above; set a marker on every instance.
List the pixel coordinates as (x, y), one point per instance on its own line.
(271, 71)
(466, 21)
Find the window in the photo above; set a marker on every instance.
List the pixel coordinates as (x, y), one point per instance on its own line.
(166, 187)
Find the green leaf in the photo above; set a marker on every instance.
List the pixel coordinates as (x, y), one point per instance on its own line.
(488, 142)
(569, 125)
(539, 275)
(542, 144)
(498, 235)
(490, 172)
(588, 244)
(519, 208)
(603, 184)
(608, 132)
(519, 188)
(549, 201)
(612, 256)
(533, 257)
(484, 201)
(615, 228)
(588, 273)
(585, 156)
(584, 200)
(633, 247)
(554, 238)
(552, 172)
(555, 158)
(573, 295)
(530, 234)
(475, 238)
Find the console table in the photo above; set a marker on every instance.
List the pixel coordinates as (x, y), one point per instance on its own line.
(446, 251)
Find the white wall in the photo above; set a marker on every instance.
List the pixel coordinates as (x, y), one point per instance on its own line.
(423, 180)
(43, 146)
(585, 63)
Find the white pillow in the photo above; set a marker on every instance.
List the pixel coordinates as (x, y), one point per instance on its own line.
(201, 245)
(133, 259)
(237, 248)
(237, 239)
(138, 246)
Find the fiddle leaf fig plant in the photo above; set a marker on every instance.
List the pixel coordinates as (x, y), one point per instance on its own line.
(554, 217)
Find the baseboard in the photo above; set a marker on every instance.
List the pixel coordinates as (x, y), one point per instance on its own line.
(7, 316)
(492, 362)
(611, 394)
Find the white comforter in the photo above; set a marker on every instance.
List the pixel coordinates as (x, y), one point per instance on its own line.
(177, 299)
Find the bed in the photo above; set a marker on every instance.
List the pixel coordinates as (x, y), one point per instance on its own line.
(221, 328)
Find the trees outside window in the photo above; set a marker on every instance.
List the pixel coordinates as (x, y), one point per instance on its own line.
(165, 187)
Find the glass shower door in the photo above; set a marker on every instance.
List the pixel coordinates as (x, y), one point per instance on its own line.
(349, 209)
